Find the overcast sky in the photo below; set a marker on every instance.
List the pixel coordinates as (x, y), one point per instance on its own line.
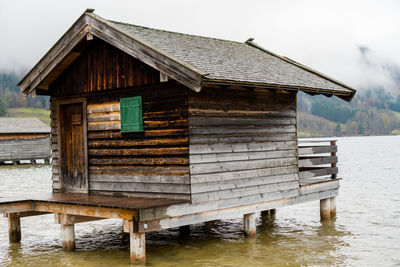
(325, 35)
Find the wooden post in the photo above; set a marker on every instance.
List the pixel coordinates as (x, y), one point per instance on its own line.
(249, 221)
(333, 164)
(325, 210)
(137, 245)
(265, 212)
(333, 207)
(68, 237)
(14, 229)
(272, 212)
(184, 230)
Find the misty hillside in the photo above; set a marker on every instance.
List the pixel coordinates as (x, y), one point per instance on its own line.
(375, 109)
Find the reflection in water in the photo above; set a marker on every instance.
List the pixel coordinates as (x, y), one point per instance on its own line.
(366, 231)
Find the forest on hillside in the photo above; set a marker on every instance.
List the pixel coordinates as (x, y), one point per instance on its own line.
(12, 97)
(372, 112)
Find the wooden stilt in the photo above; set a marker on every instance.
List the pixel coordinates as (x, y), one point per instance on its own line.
(265, 213)
(249, 221)
(325, 210)
(333, 207)
(68, 237)
(138, 247)
(14, 229)
(184, 230)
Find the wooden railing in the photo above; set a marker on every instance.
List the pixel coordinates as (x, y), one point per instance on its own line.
(317, 161)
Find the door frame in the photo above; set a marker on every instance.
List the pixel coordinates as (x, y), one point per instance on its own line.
(58, 103)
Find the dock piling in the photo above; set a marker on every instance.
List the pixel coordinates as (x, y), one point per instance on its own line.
(325, 209)
(14, 229)
(333, 207)
(249, 221)
(68, 237)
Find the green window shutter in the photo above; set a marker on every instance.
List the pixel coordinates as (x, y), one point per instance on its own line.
(131, 114)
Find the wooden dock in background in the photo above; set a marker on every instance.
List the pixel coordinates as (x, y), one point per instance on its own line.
(24, 140)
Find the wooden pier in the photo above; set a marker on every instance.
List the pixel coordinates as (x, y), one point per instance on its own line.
(141, 215)
(163, 130)
(24, 140)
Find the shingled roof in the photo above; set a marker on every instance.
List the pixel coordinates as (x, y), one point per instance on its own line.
(22, 125)
(192, 60)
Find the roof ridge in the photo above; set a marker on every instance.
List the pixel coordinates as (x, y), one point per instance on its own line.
(178, 33)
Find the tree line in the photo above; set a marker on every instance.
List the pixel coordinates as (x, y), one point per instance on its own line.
(372, 112)
(12, 97)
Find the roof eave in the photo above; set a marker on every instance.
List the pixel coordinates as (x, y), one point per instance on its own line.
(324, 76)
(27, 83)
(345, 95)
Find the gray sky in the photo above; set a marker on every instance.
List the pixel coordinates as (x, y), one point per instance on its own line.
(324, 35)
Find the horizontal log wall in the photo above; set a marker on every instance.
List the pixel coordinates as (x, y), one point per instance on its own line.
(242, 145)
(153, 163)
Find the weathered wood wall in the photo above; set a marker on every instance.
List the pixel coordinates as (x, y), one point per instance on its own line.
(153, 163)
(24, 149)
(103, 67)
(243, 146)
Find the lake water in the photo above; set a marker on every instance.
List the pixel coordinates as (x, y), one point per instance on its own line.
(366, 232)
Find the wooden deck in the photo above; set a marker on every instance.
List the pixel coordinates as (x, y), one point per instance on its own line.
(81, 205)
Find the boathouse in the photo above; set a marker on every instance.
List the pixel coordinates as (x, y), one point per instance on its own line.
(24, 139)
(163, 129)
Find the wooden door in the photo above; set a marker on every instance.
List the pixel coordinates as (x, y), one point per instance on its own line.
(73, 172)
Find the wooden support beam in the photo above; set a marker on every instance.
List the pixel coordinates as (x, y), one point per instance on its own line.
(25, 214)
(68, 237)
(14, 229)
(249, 221)
(137, 244)
(100, 212)
(332, 203)
(73, 219)
(325, 210)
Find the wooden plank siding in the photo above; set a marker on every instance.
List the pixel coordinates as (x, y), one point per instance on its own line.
(24, 149)
(54, 146)
(102, 67)
(243, 145)
(153, 163)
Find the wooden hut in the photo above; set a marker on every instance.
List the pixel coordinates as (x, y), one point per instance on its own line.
(24, 139)
(163, 129)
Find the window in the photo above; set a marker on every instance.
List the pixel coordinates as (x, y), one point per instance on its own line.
(131, 114)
